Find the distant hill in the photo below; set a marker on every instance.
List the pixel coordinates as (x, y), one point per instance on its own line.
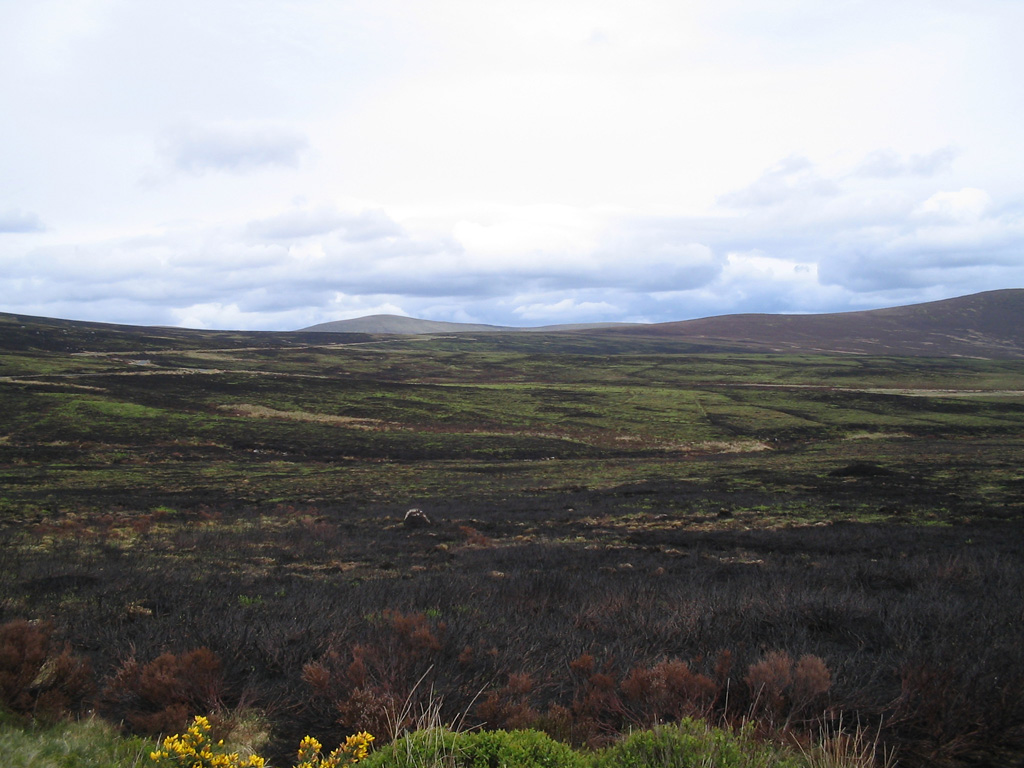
(983, 325)
(398, 324)
(989, 325)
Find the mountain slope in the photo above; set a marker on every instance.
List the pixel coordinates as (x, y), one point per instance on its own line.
(398, 324)
(989, 324)
(984, 325)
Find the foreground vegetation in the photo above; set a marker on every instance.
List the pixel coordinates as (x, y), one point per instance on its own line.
(621, 535)
(95, 744)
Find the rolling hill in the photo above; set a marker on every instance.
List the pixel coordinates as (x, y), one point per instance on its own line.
(986, 325)
(982, 325)
(397, 324)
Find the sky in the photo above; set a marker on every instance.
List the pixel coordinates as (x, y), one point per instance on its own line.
(272, 164)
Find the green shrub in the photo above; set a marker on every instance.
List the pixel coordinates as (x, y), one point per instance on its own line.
(692, 744)
(439, 748)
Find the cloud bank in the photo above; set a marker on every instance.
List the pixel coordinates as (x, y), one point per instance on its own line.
(546, 163)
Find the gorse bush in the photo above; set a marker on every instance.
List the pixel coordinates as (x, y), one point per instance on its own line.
(195, 748)
(354, 749)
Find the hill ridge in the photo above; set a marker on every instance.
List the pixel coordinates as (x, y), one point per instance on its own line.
(987, 324)
(981, 325)
(401, 324)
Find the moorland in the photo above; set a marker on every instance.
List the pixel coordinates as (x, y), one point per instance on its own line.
(624, 527)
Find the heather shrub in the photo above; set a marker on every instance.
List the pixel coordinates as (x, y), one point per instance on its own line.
(811, 681)
(158, 697)
(375, 682)
(374, 708)
(668, 691)
(509, 707)
(597, 710)
(34, 679)
(778, 687)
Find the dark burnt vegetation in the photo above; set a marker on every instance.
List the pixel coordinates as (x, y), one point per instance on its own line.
(618, 536)
(912, 626)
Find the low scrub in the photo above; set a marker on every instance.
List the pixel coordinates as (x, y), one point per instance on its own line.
(693, 743)
(690, 743)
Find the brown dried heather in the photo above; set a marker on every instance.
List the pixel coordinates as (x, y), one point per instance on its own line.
(598, 710)
(584, 664)
(509, 707)
(811, 681)
(162, 695)
(23, 649)
(778, 687)
(473, 537)
(768, 680)
(317, 676)
(414, 631)
(32, 679)
(379, 680)
(63, 686)
(375, 709)
(670, 690)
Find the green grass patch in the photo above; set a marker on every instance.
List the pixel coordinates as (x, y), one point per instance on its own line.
(84, 744)
(690, 743)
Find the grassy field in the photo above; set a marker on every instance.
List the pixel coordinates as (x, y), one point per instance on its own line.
(600, 508)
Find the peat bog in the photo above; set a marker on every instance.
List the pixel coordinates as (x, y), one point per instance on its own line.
(623, 530)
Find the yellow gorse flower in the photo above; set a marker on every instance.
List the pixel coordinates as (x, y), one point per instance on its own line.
(352, 751)
(194, 749)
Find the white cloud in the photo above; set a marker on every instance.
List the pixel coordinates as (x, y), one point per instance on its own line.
(232, 148)
(518, 234)
(358, 226)
(793, 179)
(466, 159)
(296, 224)
(20, 221)
(887, 163)
(963, 206)
(566, 311)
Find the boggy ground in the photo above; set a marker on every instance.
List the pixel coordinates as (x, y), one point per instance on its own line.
(601, 515)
